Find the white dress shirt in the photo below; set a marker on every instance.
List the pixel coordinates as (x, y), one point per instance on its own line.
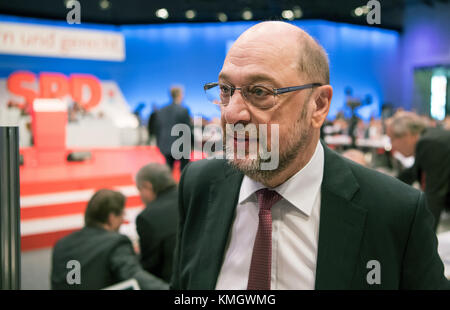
(295, 231)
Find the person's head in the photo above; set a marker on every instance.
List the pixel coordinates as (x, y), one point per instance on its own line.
(277, 55)
(340, 115)
(355, 155)
(105, 209)
(176, 92)
(404, 130)
(446, 123)
(360, 123)
(152, 180)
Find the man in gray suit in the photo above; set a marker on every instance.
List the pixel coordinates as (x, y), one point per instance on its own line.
(157, 223)
(104, 256)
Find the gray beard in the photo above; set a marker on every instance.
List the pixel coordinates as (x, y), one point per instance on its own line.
(297, 143)
(251, 168)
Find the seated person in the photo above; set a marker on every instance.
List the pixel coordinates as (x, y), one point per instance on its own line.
(157, 223)
(411, 135)
(105, 257)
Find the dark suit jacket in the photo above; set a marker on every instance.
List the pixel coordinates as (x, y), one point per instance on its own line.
(157, 228)
(151, 124)
(105, 258)
(364, 216)
(432, 169)
(165, 119)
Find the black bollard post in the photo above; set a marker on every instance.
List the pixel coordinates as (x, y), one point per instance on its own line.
(9, 208)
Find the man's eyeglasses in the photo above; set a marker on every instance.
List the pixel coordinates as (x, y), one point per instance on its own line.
(260, 96)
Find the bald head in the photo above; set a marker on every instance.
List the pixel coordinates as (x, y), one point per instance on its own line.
(291, 44)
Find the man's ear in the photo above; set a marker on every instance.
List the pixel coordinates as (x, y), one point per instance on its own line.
(110, 220)
(322, 105)
(148, 185)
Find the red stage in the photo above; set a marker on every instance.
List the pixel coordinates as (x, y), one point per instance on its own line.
(53, 198)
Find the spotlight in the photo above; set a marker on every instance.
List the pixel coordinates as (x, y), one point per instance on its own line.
(222, 17)
(287, 14)
(359, 11)
(190, 14)
(247, 15)
(298, 13)
(162, 13)
(66, 3)
(104, 4)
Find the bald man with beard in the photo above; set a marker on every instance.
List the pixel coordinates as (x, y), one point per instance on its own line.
(315, 220)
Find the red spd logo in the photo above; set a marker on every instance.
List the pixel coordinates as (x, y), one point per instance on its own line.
(56, 85)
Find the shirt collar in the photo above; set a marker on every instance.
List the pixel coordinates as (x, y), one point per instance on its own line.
(300, 190)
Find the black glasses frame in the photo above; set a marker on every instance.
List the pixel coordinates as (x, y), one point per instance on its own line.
(276, 91)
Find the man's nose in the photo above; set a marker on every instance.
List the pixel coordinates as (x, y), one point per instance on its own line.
(236, 111)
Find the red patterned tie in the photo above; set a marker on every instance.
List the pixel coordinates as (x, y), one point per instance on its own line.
(260, 267)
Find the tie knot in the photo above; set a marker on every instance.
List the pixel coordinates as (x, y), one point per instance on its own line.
(267, 198)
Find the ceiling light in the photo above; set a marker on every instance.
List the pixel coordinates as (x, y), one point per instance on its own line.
(162, 13)
(359, 11)
(298, 13)
(288, 14)
(247, 15)
(222, 17)
(190, 14)
(104, 4)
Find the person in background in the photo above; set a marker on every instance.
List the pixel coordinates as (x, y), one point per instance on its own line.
(166, 118)
(341, 124)
(411, 136)
(446, 123)
(375, 130)
(75, 112)
(105, 256)
(157, 223)
(353, 103)
(360, 129)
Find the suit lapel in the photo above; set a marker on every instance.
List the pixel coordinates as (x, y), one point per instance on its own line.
(223, 197)
(341, 225)
(340, 233)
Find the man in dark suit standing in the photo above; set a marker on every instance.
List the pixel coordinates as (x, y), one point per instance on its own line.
(313, 221)
(157, 223)
(431, 150)
(165, 119)
(104, 256)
